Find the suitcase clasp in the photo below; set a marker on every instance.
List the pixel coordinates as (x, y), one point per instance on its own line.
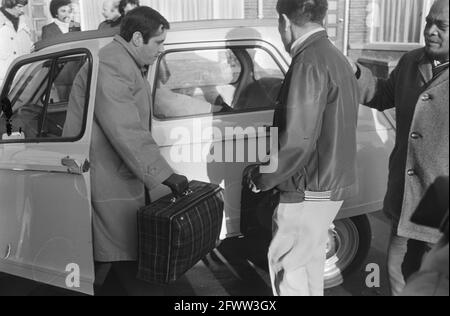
(185, 194)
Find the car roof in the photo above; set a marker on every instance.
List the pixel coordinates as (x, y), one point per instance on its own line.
(188, 32)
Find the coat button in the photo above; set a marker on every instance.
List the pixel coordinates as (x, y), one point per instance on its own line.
(426, 97)
(416, 136)
(411, 172)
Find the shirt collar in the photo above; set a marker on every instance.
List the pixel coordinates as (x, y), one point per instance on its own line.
(439, 64)
(303, 38)
(64, 27)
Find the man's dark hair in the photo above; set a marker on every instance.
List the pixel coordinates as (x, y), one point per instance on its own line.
(9, 4)
(124, 3)
(303, 11)
(56, 4)
(144, 20)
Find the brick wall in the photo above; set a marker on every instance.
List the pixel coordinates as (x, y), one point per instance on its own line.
(359, 32)
(251, 9)
(269, 9)
(269, 12)
(359, 36)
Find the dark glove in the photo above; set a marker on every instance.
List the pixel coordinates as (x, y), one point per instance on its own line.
(178, 184)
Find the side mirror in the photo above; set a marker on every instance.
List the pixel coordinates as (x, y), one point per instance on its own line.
(8, 113)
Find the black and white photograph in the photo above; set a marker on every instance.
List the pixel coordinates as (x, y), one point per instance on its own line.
(224, 155)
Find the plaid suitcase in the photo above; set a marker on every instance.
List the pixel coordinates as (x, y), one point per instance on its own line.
(175, 234)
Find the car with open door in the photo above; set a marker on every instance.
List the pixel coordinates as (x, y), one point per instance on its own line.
(214, 89)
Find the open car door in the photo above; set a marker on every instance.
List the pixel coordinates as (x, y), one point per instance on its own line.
(45, 193)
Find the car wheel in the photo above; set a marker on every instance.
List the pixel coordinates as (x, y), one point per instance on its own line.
(348, 246)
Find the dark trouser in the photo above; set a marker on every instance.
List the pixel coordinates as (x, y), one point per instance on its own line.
(404, 259)
(126, 272)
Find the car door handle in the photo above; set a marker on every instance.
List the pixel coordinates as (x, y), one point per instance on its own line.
(73, 167)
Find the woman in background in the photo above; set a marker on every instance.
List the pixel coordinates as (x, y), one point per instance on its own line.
(61, 11)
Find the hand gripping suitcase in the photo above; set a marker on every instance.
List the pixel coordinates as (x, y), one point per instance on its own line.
(257, 209)
(176, 233)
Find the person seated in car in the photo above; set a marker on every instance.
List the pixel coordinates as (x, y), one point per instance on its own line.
(169, 104)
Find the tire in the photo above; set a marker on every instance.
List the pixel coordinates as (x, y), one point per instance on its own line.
(348, 247)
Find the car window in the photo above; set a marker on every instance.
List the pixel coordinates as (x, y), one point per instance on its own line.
(216, 81)
(39, 96)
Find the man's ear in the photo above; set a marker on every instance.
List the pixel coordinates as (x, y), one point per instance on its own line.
(137, 40)
(286, 22)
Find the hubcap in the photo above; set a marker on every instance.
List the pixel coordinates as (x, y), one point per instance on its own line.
(342, 248)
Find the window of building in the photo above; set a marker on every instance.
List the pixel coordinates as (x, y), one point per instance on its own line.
(397, 21)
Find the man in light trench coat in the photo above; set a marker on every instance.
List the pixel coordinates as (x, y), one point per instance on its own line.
(124, 156)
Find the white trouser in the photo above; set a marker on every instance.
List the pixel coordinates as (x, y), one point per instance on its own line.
(297, 254)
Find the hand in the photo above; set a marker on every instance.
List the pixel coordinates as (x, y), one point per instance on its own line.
(249, 175)
(437, 260)
(178, 184)
(254, 188)
(224, 107)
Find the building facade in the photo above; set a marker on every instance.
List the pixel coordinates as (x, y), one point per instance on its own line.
(378, 30)
(88, 12)
(381, 31)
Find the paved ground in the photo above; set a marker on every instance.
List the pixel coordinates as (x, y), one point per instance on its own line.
(228, 272)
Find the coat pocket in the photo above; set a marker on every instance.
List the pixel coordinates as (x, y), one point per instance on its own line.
(297, 183)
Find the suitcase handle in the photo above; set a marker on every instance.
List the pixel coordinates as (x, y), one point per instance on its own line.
(185, 194)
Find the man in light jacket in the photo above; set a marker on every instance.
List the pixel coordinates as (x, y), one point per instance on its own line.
(15, 36)
(317, 120)
(418, 90)
(125, 160)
